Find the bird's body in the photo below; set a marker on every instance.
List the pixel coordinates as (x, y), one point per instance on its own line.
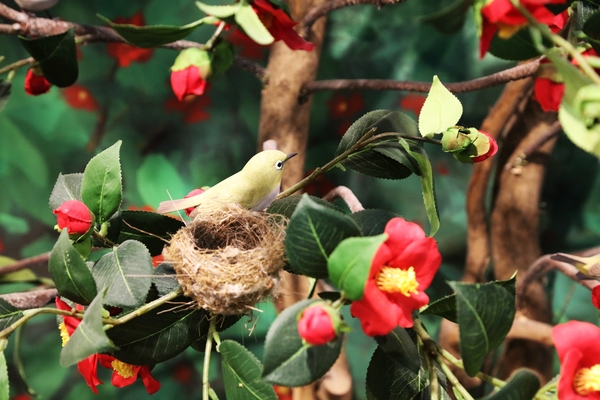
(36, 5)
(254, 187)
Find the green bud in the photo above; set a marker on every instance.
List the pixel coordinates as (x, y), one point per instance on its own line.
(587, 104)
(196, 57)
(455, 139)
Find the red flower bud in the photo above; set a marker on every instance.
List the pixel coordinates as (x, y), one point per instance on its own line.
(193, 193)
(315, 326)
(189, 72)
(493, 149)
(36, 84)
(75, 216)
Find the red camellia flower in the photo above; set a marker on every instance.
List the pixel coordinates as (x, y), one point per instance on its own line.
(73, 215)
(189, 72)
(280, 25)
(403, 267)
(341, 106)
(577, 345)
(493, 149)
(125, 53)
(79, 97)
(36, 83)
(315, 326)
(500, 16)
(123, 374)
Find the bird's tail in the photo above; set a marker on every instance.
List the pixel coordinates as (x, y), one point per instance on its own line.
(178, 204)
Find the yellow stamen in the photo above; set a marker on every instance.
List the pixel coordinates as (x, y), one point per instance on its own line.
(396, 280)
(64, 335)
(506, 31)
(587, 380)
(123, 369)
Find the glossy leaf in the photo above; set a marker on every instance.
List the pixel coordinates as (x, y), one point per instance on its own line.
(225, 11)
(388, 379)
(71, 275)
(89, 337)
(157, 335)
(516, 48)
(287, 205)
(441, 110)
(427, 187)
(241, 374)
(450, 19)
(165, 279)
(221, 58)
(399, 345)
(289, 362)
(67, 187)
(523, 385)
(126, 274)
(350, 263)
(5, 87)
(312, 234)
(56, 55)
(485, 315)
(152, 229)
(372, 222)
(8, 314)
(101, 188)
(152, 35)
(248, 20)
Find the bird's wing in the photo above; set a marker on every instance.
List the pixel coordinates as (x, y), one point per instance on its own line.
(179, 204)
(266, 201)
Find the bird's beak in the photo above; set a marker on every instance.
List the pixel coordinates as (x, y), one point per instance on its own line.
(288, 156)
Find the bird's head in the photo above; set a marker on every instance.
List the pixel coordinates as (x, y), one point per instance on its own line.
(267, 165)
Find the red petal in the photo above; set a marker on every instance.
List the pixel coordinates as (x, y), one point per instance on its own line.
(568, 368)
(179, 83)
(578, 335)
(378, 316)
(596, 296)
(88, 369)
(151, 384)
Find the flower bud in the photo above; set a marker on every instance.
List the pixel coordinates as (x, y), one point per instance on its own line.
(193, 193)
(189, 72)
(587, 104)
(75, 216)
(482, 147)
(316, 324)
(455, 139)
(35, 82)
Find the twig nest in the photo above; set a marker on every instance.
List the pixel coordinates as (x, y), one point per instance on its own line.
(229, 259)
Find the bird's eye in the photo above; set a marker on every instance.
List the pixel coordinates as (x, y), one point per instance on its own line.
(279, 164)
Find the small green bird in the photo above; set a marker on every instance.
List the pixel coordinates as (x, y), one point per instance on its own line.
(254, 187)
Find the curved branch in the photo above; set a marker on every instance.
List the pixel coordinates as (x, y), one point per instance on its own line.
(33, 299)
(344, 193)
(498, 78)
(313, 15)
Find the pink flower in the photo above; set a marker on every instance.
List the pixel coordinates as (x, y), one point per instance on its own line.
(280, 25)
(315, 326)
(578, 347)
(75, 216)
(493, 149)
(500, 16)
(36, 83)
(403, 267)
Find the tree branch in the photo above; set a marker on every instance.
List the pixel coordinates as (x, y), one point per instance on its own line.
(342, 192)
(322, 10)
(33, 299)
(507, 75)
(39, 261)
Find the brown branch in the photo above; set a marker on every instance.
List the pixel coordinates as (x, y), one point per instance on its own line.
(258, 70)
(33, 299)
(498, 78)
(322, 10)
(40, 261)
(342, 192)
(530, 329)
(17, 64)
(554, 130)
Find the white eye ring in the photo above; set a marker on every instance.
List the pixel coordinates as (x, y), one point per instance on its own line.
(279, 164)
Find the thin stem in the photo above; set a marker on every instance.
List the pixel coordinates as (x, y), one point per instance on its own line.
(433, 378)
(18, 361)
(541, 394)
(146, 308)
(211, 41)
(17, 65)
(207, 350)
(101, 238)
(453, 379)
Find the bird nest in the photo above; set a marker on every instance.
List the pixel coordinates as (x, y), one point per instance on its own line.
(229, 259)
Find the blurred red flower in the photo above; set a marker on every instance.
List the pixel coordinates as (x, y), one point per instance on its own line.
(79, 97)
(413, 102)
(125, 53)
(341, 105)
(36, 83)
(280, 25)
(192, 107)
(249, 48)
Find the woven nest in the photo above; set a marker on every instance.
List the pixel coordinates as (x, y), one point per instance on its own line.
(228, 260)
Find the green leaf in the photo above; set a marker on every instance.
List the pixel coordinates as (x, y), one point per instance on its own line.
(71, 275)
(516, 48)
(241, 374)
(126, 274)
(450, 19)
(580, 120)
(440, 111)
(350, 263)
(248, 20)
(222, 58)
(427, 187)
(152, 229)
(399, 345)
(67, 187)
(4, 383)
(152, 35)
(101, 188)
(287, 361)
(384, 158)
(56, 55)
(9, 314)
(485, 315)
(165, 279)
(372, 222)
(5, 87)
(592, 29)
(218, 11)
(159, 334)
(89, 337)
(523, 385)
(388, 379)
(287, 205)
(312, 234)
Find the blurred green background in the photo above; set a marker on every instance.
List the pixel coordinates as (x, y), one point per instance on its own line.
(175, 147)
